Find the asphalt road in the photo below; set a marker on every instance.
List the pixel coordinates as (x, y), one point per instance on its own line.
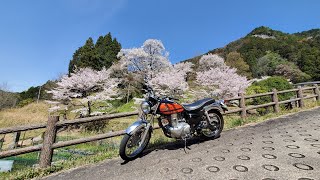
(283, 148)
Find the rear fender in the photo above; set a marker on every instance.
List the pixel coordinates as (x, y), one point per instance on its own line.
(214, 106)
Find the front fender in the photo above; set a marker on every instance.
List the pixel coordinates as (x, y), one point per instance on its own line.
(131, 129)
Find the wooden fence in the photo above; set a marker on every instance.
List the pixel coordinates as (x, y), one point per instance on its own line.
(307, 83)
(53, 123)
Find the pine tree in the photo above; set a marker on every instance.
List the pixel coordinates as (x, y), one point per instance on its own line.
(96, 56)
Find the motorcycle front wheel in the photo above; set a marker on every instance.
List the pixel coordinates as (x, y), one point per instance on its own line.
(132, 146)
(215, 125)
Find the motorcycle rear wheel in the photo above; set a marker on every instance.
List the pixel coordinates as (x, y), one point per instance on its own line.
(215, 125)
(131, 146)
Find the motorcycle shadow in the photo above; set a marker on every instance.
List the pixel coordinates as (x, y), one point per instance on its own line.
(175, 145)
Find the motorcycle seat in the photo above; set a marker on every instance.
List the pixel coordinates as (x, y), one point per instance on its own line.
(198, 104)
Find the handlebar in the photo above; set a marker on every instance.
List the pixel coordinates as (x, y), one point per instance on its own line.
(169, 97)
(173, 98)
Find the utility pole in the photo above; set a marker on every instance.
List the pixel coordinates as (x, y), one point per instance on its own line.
(39, 94)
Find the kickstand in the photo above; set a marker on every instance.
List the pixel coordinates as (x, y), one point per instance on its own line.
(185, 146)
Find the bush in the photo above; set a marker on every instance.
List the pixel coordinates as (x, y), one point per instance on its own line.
(95, 126)
(7, 99)
(256, 89)
(25, 102)
(278, 83)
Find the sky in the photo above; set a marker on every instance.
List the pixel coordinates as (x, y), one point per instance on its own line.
(39, 37)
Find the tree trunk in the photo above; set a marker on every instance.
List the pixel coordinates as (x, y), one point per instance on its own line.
(128, 94)
(89, 108)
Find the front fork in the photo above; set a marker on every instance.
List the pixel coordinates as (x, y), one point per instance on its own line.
(148, 128)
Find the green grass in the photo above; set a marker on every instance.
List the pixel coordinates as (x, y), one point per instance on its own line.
(24, 160)
(128, 107)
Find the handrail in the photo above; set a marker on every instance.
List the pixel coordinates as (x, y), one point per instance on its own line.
(22, 128)
(96, 118)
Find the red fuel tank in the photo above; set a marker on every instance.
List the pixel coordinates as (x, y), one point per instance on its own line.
(170, 108)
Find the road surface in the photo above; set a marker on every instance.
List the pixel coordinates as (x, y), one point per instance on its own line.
(282, 148)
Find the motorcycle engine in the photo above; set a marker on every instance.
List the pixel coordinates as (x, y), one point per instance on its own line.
(176, 126)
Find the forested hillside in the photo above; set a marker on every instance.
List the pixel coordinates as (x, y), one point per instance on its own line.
(269, 52)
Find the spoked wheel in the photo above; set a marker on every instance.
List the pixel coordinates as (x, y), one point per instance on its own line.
(132, 146)
(215, 125)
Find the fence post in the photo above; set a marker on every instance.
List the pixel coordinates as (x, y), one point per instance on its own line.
(1, 143)
(16, 137)
(49, 139)
(300, 95)
(243, 106)
(275, 99)
(317, 92)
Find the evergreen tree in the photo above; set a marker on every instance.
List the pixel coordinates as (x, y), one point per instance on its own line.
(235, 60)
(88, 58)
(96, 56)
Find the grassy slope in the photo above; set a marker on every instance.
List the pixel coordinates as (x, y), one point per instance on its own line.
(29, 114)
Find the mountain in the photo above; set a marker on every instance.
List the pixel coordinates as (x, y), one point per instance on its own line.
(300, 51)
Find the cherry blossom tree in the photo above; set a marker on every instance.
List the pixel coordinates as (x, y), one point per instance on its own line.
(87, 84)
(130, 83)
(147, 60)
(172, 81)
(218, 79)
(184, 67)
(210, 61)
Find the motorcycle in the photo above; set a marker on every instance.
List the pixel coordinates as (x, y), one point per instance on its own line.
(181, 121)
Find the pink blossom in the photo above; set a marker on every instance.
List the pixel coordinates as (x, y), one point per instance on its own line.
(84, 83)
(147, 60)
(211, 61)
(184, 67)
(219, 79)
(173, 80)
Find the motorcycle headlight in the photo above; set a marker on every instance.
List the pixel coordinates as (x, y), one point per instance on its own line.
(145, 107)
